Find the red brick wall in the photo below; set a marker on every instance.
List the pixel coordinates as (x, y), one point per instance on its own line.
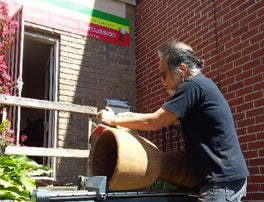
(229, 36)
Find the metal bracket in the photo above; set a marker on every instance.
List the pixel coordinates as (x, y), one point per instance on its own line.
(97, 184)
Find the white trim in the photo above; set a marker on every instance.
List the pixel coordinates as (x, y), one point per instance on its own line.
(4, 114)
(20, 80)
(55, 97)
(53, 152)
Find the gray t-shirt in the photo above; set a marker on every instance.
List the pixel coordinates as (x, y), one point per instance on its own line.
(208, 130)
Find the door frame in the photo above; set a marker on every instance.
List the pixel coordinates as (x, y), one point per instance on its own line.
(53, 88)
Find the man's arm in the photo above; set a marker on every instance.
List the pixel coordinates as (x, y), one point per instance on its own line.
(151, 121)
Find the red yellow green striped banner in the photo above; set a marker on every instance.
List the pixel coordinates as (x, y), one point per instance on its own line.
(76, 18)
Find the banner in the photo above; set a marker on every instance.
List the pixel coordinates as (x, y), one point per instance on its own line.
(75, 18)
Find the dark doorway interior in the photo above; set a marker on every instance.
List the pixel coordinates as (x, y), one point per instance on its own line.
(36, 68)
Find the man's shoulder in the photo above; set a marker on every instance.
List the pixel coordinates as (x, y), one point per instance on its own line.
(203, 82)
(197, 81)
(200, 78)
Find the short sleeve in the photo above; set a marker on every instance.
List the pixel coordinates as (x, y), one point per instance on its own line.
(185, 99)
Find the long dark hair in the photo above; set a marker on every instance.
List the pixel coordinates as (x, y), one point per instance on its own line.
(176, 53)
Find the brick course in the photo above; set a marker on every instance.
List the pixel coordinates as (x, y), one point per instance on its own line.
(229, 36)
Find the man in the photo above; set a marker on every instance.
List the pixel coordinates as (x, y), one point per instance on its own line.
(208, 128)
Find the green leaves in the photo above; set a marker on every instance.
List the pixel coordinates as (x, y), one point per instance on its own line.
(15, 176)
(28, 183)
(4, 125)
(161, 185)
(5, 135)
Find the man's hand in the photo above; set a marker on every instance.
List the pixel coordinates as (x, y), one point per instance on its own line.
(106, 116)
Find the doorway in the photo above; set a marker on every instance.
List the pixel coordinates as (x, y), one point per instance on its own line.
(39, 82)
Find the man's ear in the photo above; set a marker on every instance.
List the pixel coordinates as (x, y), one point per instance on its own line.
(183, 68)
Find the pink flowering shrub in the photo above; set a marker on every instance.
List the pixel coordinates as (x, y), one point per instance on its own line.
(7, 31)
